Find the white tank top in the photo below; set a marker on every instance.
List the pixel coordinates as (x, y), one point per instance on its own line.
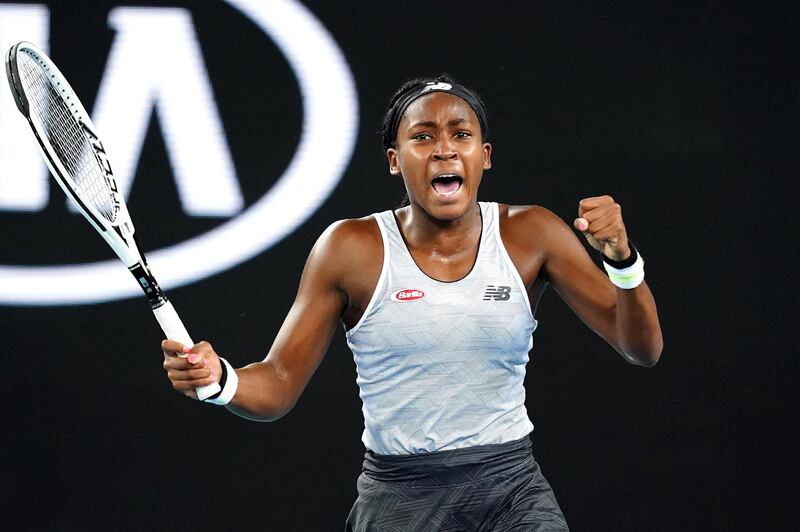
(441, 364)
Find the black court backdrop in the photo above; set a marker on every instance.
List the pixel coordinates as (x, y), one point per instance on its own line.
(685, 113)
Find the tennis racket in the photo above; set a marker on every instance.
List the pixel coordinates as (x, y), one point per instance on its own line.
(71, 147)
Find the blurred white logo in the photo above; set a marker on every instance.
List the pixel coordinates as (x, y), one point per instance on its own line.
(155, 64)
(441, 86)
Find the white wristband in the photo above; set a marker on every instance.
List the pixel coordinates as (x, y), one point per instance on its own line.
(229, 388)
(629, 277)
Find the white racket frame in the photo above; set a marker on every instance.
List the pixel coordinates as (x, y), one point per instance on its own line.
(119, 234)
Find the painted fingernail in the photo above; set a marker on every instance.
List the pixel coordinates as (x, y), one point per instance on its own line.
(186, 349)
(193, 358)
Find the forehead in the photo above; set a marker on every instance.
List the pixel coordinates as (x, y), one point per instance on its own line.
(438, 106)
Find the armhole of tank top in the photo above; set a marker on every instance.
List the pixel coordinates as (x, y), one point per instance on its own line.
(381, 279)
(509, 262)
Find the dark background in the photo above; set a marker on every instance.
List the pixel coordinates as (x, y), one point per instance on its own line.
(686, 113)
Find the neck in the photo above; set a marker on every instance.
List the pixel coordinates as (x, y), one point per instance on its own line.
(445, 237)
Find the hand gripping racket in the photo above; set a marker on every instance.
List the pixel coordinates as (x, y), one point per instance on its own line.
(72, 149)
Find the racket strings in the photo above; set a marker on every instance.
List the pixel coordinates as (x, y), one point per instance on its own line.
(68, 139)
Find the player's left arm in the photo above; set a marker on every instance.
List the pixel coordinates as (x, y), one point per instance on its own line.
(625, 317)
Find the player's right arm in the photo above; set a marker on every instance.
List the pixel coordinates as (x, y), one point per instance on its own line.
(269, 389)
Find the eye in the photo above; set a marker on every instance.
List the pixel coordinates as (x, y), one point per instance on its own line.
(463, 134)
(420, 136)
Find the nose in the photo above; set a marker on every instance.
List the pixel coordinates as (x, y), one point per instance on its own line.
(444, 149)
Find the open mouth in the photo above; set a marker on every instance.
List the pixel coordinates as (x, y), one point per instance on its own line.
(447, 184)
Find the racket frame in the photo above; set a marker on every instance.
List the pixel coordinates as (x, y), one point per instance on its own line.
(119, 234)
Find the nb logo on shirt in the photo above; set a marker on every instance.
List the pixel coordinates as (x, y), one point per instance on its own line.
(498, 293)
(441, 86)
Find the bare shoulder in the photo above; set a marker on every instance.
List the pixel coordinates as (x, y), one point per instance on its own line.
(536, 230)
(348, 257)
(529, 234)
(348, 249)
(350, 236)
(529, 214)
(523, 222)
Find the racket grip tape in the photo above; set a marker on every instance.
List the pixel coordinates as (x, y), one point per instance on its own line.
(174, 329)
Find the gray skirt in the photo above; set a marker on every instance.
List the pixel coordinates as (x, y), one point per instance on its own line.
(482, 488)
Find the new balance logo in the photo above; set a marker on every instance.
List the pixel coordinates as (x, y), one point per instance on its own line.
(441, 86)
(498, 293)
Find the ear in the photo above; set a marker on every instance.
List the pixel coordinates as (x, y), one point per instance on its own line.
(487, 155)
(391, 155)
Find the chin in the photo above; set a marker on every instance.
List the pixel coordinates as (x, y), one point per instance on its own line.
(450, 211)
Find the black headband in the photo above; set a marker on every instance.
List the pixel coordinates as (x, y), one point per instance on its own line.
(405, 99)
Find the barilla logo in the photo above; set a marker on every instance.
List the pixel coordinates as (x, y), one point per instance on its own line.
(402, 296)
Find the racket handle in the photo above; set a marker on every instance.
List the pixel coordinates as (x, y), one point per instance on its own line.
(173, 327)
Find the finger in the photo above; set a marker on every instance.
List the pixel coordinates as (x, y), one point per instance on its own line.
(181, 361)
(189, 375)
(612, 237)
(193, 361)
(609, 229)
(603, 211)
(588, 204)
(193, 358)
(608, 234)
(188, 387)
(597, 219)
(171, 347)
(611, 221)
(191, 355)
(202, 348)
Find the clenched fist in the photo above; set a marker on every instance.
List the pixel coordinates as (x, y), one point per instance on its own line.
(189, 368)
(600, 221)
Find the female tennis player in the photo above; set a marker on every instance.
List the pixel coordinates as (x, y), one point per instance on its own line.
(438, 300)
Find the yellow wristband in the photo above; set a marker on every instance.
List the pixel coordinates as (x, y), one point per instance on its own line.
(627, 278)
